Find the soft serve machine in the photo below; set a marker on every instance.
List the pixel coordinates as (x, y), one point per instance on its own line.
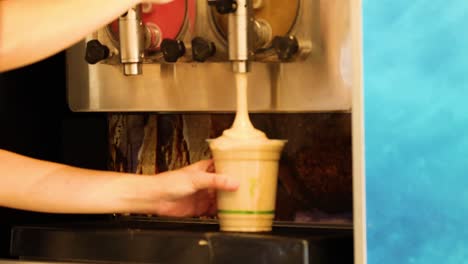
(301, 56)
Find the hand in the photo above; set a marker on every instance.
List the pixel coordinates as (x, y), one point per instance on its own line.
(191, 191)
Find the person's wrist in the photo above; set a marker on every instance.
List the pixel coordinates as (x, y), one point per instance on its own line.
(138, 194)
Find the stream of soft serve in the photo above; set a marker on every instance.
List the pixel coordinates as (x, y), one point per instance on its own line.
(242, 128)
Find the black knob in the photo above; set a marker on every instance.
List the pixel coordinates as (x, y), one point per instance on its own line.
(202, 49)
(172, 49)
(285, 47)
(224, 6)
(95, 51)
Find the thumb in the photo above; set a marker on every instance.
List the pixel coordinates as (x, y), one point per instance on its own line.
(203, 166)
(205, 180)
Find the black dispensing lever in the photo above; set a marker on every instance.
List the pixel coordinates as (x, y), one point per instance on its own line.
(172, 49)
(224, 6)
(285, 47)
(202, 49)
(96, 52)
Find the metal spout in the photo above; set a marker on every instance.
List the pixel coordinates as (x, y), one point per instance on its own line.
(240, 36)
(131, 35)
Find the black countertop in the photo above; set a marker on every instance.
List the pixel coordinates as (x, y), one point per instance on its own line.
(149, 240)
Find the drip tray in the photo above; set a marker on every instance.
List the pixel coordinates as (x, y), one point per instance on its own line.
(142, 241)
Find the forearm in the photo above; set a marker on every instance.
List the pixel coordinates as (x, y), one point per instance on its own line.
(31, 30)
(36, 185)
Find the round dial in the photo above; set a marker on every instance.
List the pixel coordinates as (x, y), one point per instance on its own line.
(162, 21)
(279, 14)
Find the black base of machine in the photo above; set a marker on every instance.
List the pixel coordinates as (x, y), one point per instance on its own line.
(148, 240)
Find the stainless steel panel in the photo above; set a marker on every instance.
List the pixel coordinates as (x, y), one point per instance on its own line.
(318, 79)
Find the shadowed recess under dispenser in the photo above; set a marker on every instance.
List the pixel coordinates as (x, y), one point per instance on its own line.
(315, 182)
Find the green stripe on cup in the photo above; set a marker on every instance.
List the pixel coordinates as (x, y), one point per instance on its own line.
(245, 212)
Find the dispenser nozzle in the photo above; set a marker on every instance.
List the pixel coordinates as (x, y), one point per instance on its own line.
(239, 35)
(131, 41)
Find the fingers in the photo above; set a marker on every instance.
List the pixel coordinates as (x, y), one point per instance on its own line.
(213, 209)
(203, 180)
(205, 203)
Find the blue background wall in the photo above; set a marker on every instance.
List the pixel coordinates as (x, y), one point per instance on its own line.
(416, 113)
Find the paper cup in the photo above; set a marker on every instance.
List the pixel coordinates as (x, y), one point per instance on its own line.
(252, 207)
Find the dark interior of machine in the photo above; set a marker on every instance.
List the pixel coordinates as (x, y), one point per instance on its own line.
(36, 122)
